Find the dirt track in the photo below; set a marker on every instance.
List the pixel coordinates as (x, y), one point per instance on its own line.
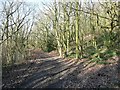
(61, 73)
(46, 71)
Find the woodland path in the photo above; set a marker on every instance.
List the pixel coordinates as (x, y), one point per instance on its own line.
(55, 72)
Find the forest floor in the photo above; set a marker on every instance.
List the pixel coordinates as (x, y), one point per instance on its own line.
(50, 71)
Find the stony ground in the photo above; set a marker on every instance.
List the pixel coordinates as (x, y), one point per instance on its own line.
(55, 72)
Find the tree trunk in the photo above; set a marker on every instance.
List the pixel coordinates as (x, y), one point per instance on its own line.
(77, 30)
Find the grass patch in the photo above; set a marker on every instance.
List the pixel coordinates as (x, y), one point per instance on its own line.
(72, 55)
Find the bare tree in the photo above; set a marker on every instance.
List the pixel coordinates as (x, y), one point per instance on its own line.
(15, 29)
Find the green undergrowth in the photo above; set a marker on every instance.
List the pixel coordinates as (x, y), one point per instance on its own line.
(103, 57)
(99, 58)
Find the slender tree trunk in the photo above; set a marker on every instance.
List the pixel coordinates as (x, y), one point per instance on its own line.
(77, 30)
(56, 32)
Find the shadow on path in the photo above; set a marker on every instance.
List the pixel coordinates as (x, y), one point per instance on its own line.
(62, 73)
